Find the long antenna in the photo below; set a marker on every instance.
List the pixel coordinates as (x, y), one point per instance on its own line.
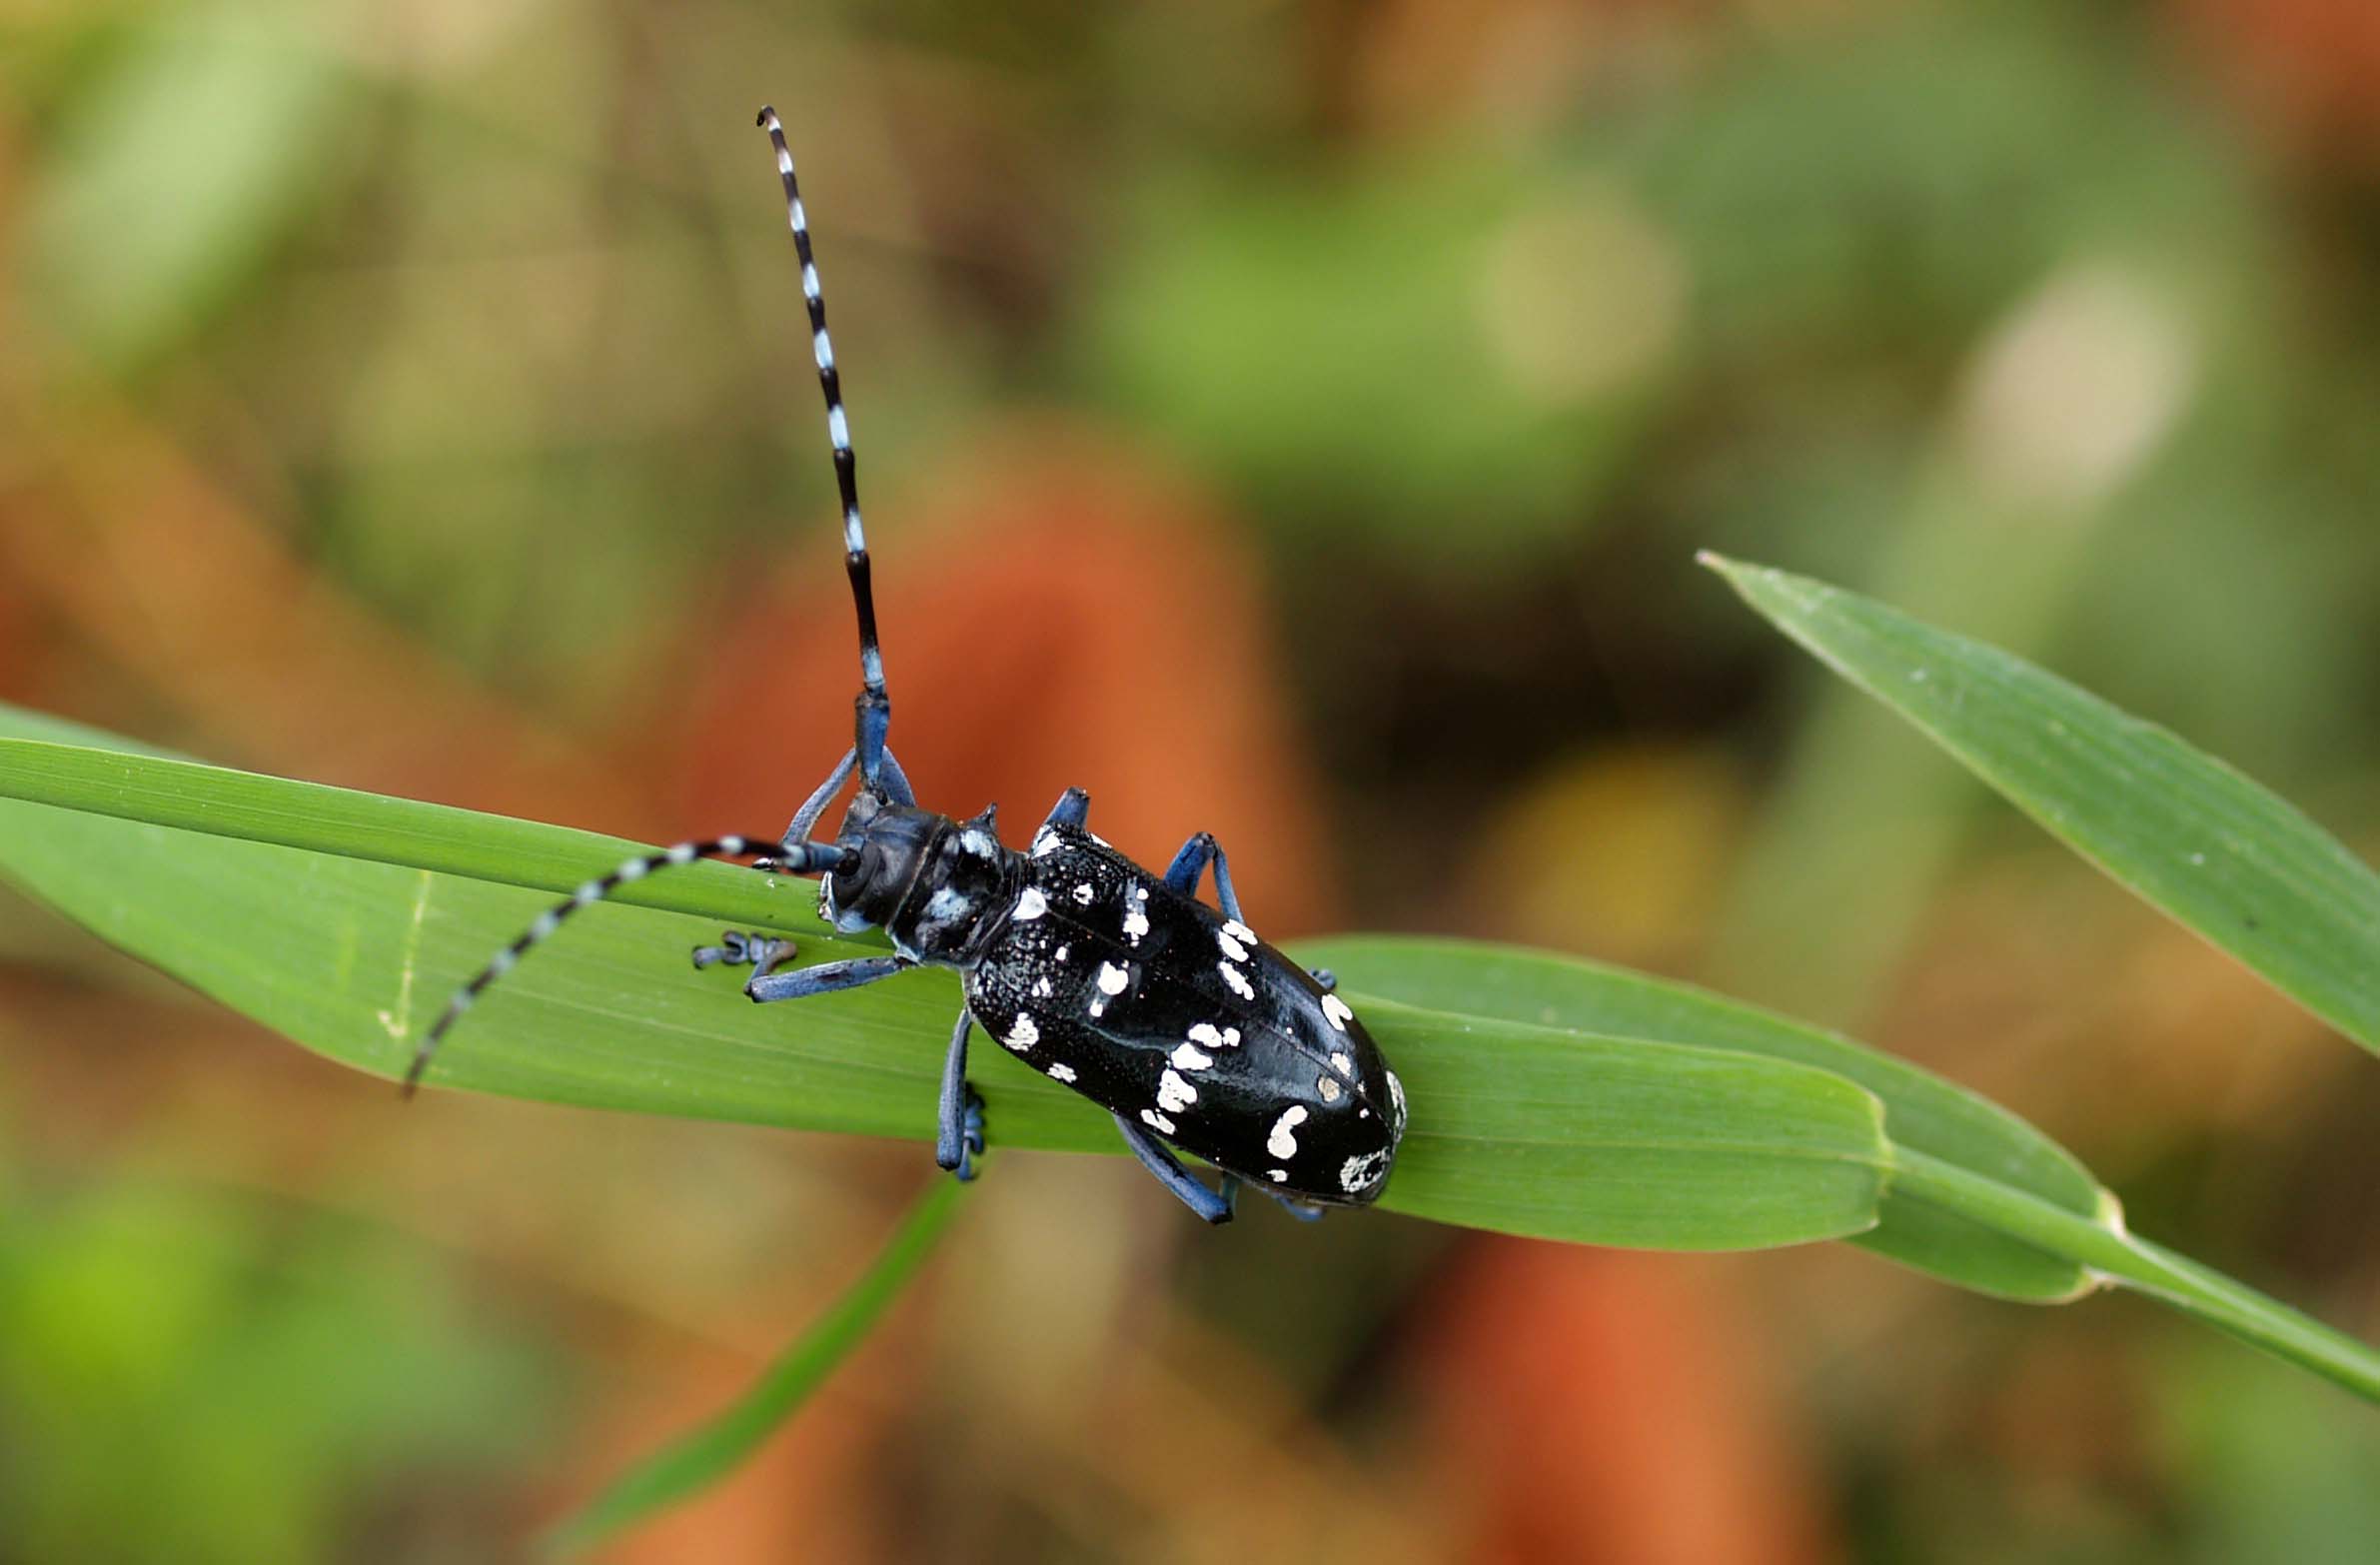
(796, 859)
(875, 707)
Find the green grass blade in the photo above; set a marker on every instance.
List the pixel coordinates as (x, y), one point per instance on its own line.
(1518, 1128)
(2214, 851)
(1565, 1135)
(1921, 1110)
(703, 1455)
(2102, 1244)
(218, 802)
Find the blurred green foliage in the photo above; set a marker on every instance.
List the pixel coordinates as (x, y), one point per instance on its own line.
(272, 1385)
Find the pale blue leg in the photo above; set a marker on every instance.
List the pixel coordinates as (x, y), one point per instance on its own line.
(765, 953)
(826, 977)
(805, 819)
(960, 1133)
(1211, 1206)
(1182, 875)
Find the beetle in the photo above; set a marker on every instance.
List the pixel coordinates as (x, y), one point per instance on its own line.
(1171, 1015)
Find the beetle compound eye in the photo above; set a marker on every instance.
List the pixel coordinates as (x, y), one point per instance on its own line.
(858, 875)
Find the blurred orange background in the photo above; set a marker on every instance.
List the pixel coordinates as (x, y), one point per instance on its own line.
(1296, 422)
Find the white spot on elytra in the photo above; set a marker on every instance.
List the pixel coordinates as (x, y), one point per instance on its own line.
(1336, 1008)
(1343, 1064)
(1277, 1175)
(1032, 904)
(1041, 990)
(1083, 893)
(1060, 953)
(1022, 1035)
(1204, 1033)
(1281, 1143)
(1156, 1121)
(1328, 1088)
(1358, 1172)
(1237, 982)
(1230, 947)
(1097, 837)
(1396, 1103)
(1173, 1094)
(1061, 1072)
(1240, 932)
(1112, 978)
(1187, 1057)
(1136, 924)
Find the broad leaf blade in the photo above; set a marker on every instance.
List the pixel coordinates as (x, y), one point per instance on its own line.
(1921, 1110)
(1565, 1135)
(60, 764)
(1518, 1128)
(2216, 852)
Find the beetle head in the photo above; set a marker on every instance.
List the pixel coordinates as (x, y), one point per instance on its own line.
(883, 848)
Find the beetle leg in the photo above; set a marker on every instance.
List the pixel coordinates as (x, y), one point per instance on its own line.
(805, 819)
(960, 1131)
(1208, 1204)
(1188, 865)
(736, 947)
(826, 977)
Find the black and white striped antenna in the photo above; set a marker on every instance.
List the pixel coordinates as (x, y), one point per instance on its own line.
(798, 859)
(875, 707)
(879, 773)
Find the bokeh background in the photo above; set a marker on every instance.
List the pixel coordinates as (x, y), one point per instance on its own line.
(1295, 420)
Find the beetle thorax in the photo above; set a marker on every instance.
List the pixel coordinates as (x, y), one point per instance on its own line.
(940, 887)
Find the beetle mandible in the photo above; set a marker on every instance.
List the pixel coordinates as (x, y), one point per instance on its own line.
(1116, 982)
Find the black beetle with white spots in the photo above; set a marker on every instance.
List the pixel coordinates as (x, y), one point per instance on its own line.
(1115, 981)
